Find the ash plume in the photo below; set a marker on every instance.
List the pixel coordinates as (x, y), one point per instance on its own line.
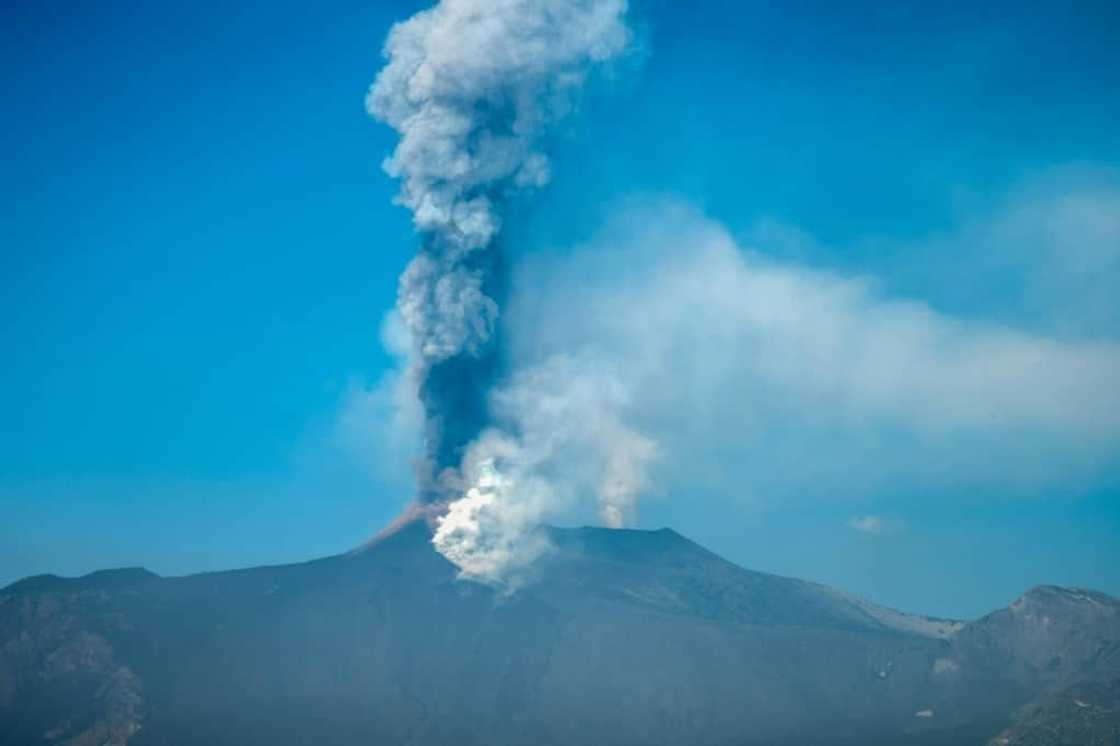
(471, 86)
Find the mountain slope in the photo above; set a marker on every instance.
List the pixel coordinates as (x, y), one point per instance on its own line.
(624, 637)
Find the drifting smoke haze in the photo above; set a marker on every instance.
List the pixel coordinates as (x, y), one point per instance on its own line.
(772, 381)
(471, 86)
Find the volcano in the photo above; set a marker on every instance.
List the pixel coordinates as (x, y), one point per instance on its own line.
(622, 637)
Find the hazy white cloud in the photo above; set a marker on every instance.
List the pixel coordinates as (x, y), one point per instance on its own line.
(867, 524)
(779, 381)
(1059, 239)
(1044, 256)
(378, 426)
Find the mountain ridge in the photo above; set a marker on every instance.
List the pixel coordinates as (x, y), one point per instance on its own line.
(629, 636)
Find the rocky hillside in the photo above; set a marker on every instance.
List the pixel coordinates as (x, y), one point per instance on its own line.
(624, 637)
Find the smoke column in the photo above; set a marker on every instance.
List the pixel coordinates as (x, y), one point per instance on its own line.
(471, 86)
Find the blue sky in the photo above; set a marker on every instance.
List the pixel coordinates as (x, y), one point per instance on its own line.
(199, 246)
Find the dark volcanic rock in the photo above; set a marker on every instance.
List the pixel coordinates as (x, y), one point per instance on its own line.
(625, 637)
(1084, 714)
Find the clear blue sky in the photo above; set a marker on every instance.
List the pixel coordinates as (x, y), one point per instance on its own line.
(197, 246)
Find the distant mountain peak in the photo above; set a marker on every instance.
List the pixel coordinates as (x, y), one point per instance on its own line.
(1056, 594)
(111, 578)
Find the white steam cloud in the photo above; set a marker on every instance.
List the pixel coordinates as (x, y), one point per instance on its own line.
(571, 442)
(774, 382)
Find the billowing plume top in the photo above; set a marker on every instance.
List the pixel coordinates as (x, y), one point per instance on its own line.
(469, 85)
